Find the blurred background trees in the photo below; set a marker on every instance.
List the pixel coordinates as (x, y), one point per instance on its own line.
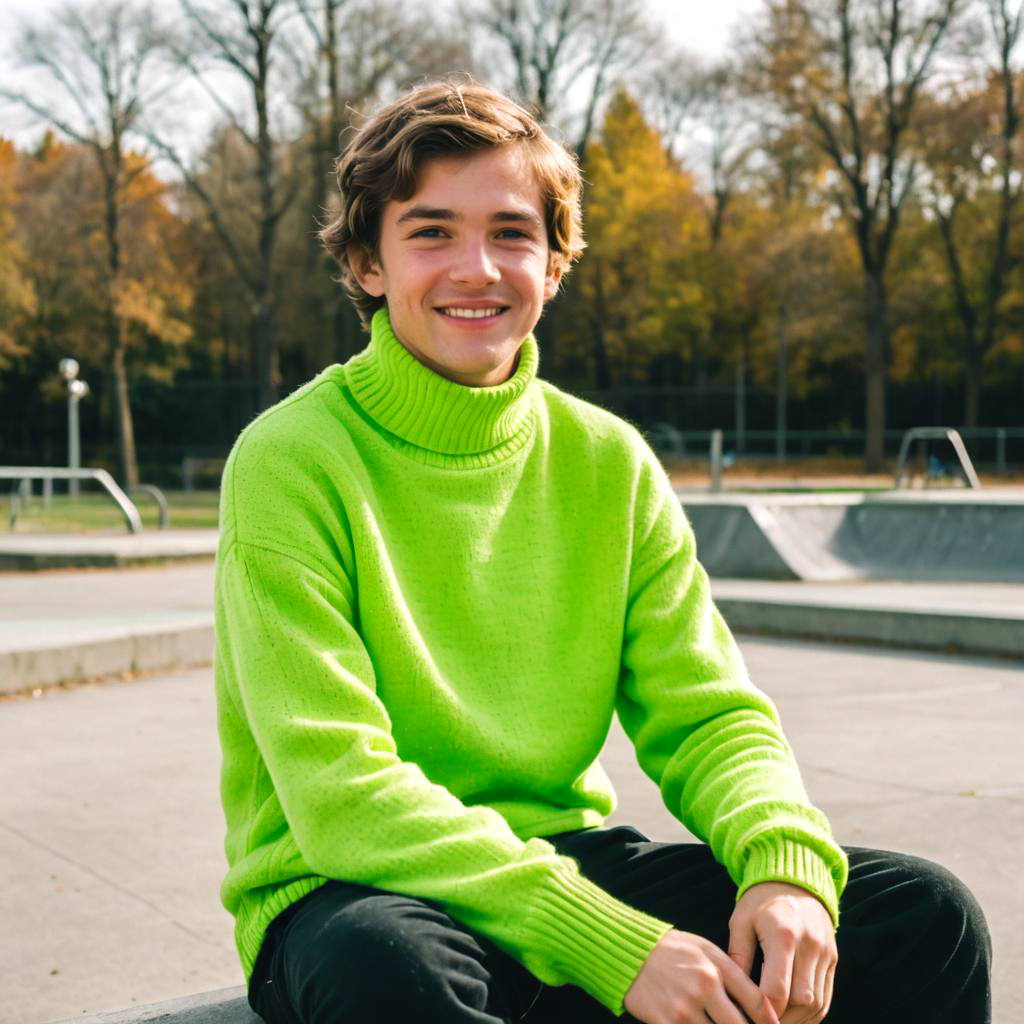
(820, 233)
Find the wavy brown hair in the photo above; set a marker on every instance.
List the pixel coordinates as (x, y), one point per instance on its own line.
(443, 119)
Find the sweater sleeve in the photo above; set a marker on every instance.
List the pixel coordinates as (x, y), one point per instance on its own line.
(709, 739)
(302, 680)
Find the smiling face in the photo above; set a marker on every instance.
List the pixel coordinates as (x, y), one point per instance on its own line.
(464, 265)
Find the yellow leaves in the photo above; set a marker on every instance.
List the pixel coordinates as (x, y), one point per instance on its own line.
(635, 191)
(56, 198)
(645, 227)
(141, 306)
(1010, 346)
(17, 296)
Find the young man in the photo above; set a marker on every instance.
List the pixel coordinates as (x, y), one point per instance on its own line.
(439, 578)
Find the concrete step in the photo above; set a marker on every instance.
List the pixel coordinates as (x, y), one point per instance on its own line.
(225, 1006)
(73, 654)
(36, 551)
(986, 634)
(67, 626)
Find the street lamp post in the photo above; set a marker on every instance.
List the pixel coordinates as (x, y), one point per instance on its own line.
(77, 390)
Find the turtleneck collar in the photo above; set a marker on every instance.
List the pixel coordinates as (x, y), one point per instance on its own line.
(429, 411)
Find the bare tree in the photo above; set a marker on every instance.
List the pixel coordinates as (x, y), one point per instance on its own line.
(242, 38)
(671, 85)
(97, 67)
(555, 51)
(972, 150)
(852, 71)
(705, 122)
(361, 49)
(355, 52)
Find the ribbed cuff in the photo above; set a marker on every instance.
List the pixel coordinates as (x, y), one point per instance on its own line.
(593, 939)
(773, 859)
(252, 921)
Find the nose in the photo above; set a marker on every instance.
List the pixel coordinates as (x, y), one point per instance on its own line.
(473, 265)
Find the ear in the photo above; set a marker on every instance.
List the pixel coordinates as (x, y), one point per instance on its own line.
(551, 279)
(367, 270)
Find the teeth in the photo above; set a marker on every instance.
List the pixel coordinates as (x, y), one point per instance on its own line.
(471, 314)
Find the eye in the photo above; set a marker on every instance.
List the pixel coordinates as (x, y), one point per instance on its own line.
(428, 233)
(512, 233)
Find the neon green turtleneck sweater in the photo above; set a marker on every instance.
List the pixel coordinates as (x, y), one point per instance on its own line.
(430, 601)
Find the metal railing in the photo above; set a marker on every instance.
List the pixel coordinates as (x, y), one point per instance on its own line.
(161, 502)
(26, 474)
(935, 434)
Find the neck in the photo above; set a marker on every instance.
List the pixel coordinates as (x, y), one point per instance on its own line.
(423, 408)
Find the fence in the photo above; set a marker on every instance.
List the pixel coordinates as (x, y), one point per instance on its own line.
(994, 449)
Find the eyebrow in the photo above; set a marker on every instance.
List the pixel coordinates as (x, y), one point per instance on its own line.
(440, 213)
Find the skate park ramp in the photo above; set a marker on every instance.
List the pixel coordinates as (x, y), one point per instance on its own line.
(898, 535)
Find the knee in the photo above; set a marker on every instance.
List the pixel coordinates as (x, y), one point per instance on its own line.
(925, 905)
(957, 917)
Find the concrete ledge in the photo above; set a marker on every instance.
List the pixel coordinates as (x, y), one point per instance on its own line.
(225, 1006)
(142, 650)
(919, 630)
(104, 551)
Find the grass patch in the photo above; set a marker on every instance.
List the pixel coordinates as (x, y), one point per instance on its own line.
(97, 513)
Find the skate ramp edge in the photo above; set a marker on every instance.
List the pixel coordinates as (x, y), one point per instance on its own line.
(851, 537)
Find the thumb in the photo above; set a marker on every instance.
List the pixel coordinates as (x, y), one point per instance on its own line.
(742, 945)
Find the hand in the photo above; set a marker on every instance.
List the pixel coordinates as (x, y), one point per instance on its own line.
(799, 945)
(688, 980)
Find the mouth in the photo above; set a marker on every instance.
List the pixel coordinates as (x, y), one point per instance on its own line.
(472, 315)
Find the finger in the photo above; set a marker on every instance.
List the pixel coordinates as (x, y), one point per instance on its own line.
(830, 980)
(802, 987)
(826, 973)
(742, 945)
(776, 975)
(746, 994)
(722, 1010)
(794, 1015)
(824, 965)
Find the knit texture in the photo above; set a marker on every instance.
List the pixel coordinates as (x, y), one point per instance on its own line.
(431, 599)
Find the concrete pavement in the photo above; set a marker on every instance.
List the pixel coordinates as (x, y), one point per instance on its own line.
(111, 832)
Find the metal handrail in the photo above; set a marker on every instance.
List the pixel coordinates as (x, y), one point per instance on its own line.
(161, 502)
(933, 434)
(101, 476)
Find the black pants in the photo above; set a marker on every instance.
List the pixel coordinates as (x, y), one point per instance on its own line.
(913, 945)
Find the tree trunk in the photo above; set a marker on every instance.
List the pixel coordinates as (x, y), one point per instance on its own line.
(110, 166)
(599, 350)
(263, 334)
(782, 382)
(602, 371)
(875, 345)
(972, 387)
(264, 352)
(125, 426)
(741, 405)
